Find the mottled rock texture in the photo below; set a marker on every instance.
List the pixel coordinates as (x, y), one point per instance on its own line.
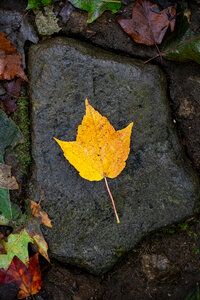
(157, 186)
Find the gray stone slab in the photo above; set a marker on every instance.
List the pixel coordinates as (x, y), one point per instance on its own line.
(157, 186)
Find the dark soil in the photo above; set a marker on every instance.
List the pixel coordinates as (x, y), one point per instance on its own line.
(163, 266)
(166, 264)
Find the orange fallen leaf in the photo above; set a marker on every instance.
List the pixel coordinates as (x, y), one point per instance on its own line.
(10, 60)
(28, 280)
(99, 150)
(33, 226)
(148, 24)
(40, 214)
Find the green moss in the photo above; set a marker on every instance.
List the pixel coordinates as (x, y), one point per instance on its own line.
(120, 250)
(21, 118)
(112, 76)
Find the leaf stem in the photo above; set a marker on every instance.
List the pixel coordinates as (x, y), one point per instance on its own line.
(113, 203)
(41, 195)
(173, 48)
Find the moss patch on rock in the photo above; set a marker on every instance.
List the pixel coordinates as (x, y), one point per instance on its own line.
(21, 118)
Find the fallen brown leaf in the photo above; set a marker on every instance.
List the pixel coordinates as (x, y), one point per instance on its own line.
(6, 180)
(39, 213)
(10, 60)
(148, 24)
(13, 87)
(8, 104)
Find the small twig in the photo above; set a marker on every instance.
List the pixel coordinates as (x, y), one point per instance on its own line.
(22, 18)
(41, 195)
(113, 203)
(17, 24)
(146, 61)
(181, 44)
(159, 53)
(172, 48)
(37, 206)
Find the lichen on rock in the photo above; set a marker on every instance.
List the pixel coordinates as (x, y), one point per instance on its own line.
(47, 23)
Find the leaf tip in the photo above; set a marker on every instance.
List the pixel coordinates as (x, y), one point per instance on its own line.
(56, 140)
(86, 102)
(130, 126)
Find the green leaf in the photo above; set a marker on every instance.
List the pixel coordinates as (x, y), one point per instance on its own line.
(9, 211)
(17, 245)
(185, 47)
(37, 3)
(5, 205)
(9, 136)
(33, 229)
(96, 8)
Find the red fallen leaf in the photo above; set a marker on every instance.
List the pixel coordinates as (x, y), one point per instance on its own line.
(28, 280)
(148, 24)
(13, 87)
(10, 60)
(9, 104)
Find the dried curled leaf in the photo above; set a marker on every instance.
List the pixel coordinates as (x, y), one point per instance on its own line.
(6, 180)
(10, 61)
(33, 229)
(99, 150)
(40, 214)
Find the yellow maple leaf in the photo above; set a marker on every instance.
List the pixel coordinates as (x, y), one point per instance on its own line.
(99, 150)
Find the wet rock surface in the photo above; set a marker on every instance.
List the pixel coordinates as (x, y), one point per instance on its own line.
(156, 188)
(105, 32)
(186, 106)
